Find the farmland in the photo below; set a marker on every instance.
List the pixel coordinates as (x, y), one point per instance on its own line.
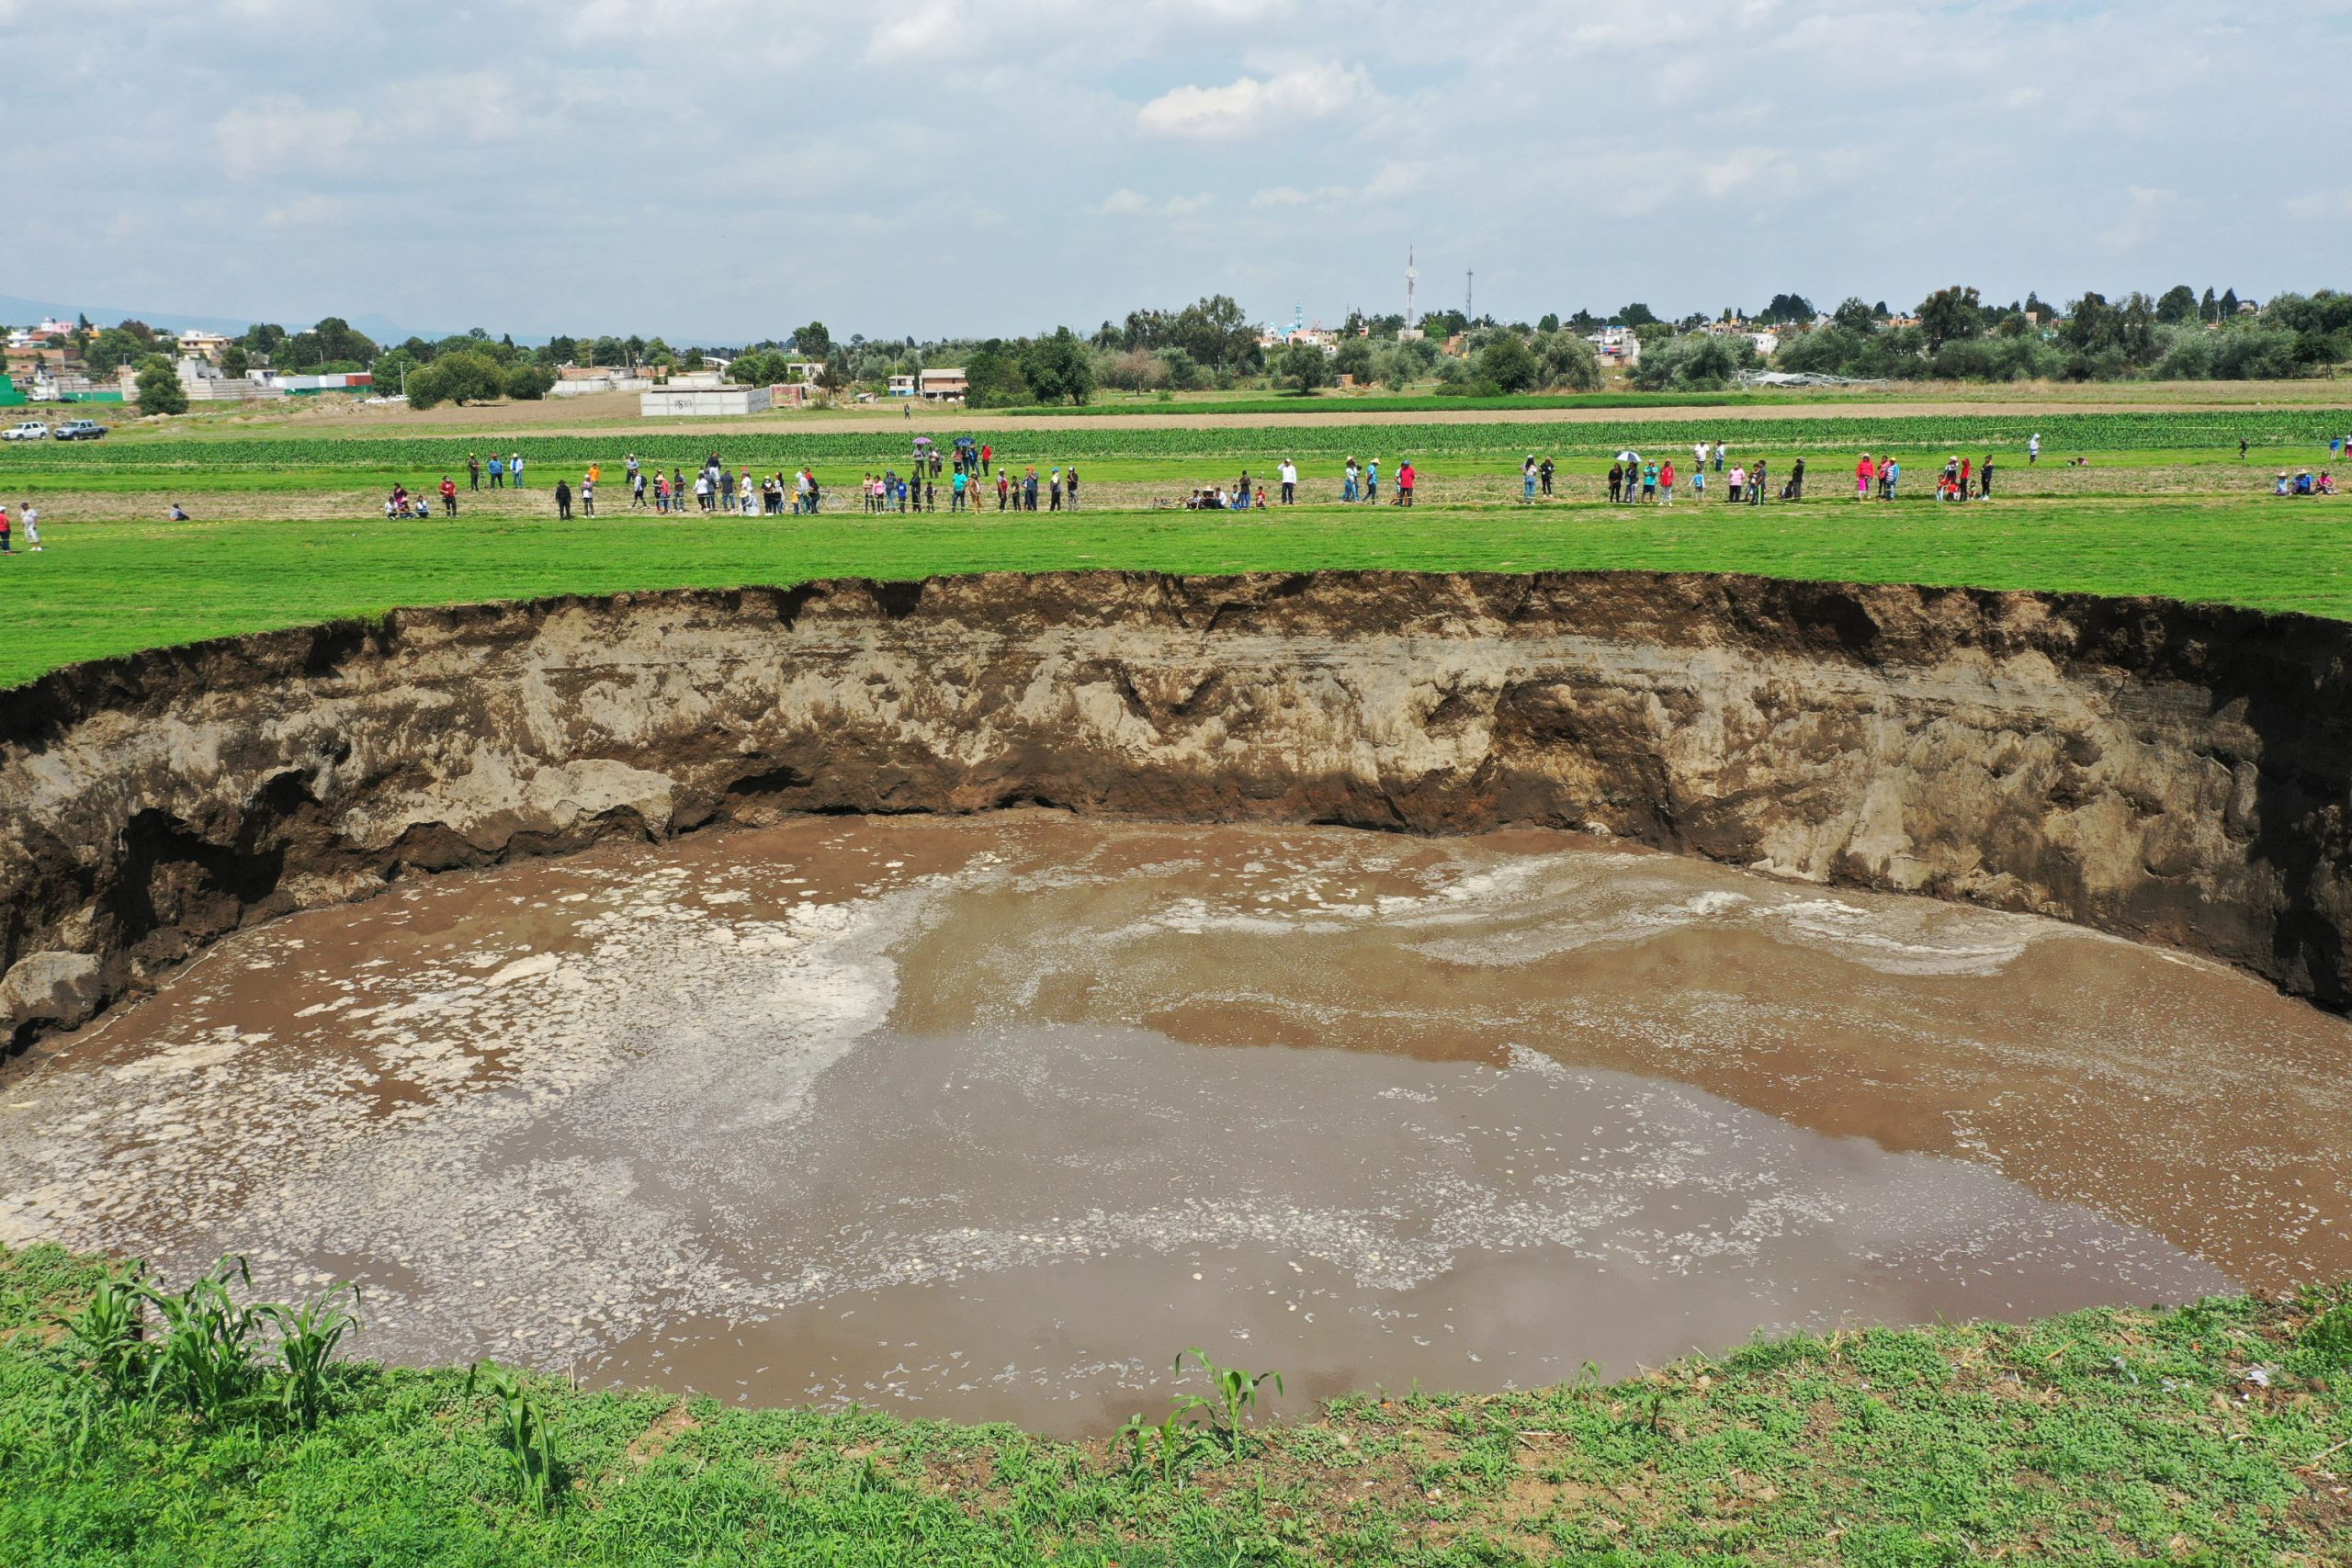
(288, 527)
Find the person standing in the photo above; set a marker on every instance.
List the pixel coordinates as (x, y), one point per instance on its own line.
(1890, 474)
(473, 471)
(497, 472)
(29, 516)
(1029, 490)
(2033, 450)
(1865, 472)
(1985, 478)
(588, 496)
(1719, 456)
(448, 496)
(1738, 483)
(1289, 471)
(1527, 481)
(1349, 481)
(514, 470)
(1054, 488)
(1617, 482)
(1071, 480)
(1797, 481)
(1406, 480)
(5, 549)
(988, 456)
(635, 487)
(1649, 481)
(1372, 480)
(2241, 448)
(1967, 472)
(956, 489)
(1544, 473)
(1003, 490)
(563, 501)
(1756, 482)
(1666, 483)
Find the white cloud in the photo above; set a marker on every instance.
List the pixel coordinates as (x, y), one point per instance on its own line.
(1251, 104)
(1126, 203)
(279, 132)
(303, 212)
(2322, 203)
(2142, 217)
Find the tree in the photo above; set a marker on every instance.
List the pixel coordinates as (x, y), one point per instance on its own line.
(2178, 305)
(1354, 359)
(1786, 308)
(337, 340)
(813, 342)
(993, 380)
(1567, 363)
(2091, 325)
(1214, 333)
(463, 376)
(1855, 316)
(608, 352)
(390, 368)
(233, 362)
(1508, 364)
(2228, 309)
(2208, 308)
(1304, 366)
(159, 388)
(1057, 367)
(529, 383)
(1950, 313)
(1635, 315)
(1550, 323)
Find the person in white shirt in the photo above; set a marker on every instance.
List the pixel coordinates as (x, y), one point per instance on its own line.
(1290, 483)
(30, 516)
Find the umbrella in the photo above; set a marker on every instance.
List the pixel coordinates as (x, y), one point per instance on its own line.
(1629, 456)
(922, 440)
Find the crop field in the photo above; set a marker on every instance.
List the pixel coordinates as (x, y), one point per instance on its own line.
(2281, 429)
(289, 528)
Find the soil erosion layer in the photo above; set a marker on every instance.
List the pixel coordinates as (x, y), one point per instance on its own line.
(2170, 772)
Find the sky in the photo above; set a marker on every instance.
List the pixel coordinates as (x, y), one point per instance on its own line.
(718, 171)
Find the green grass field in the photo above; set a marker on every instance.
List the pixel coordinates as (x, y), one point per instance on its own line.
(2214, 1433)
(109, 588)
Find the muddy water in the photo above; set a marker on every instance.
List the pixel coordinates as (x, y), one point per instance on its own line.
(990, 1118)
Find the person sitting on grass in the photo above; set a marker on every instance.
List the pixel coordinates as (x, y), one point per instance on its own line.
(2279, 487)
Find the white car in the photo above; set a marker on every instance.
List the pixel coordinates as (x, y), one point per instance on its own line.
(31, 429)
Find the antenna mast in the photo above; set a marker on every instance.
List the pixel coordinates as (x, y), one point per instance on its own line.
(1412, 276)
(1469, 294)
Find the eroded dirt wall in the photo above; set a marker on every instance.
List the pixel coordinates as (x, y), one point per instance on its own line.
(2170, 772)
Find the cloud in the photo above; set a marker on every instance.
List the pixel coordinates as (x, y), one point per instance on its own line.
(2142, 217)
(1252, 104)
(1126, 203)
(2322, 203)
(303, 212)
(279, 132)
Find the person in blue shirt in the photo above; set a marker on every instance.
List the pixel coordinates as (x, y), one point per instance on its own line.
(497, 472)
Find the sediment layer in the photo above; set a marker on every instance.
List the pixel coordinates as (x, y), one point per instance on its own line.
(2173, 772)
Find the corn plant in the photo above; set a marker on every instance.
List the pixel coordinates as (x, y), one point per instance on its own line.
(1172, 1440)
(520, 1429)
(111, 1333)
(204, 1359)
(308, 1336)
(1236, 1393)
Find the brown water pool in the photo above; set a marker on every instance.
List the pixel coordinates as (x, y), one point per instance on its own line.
(988, 1117)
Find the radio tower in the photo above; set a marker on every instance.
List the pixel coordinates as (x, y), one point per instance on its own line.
(1412, 277)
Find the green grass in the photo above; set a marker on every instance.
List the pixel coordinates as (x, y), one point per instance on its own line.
(2103, 1436)
(113, 588)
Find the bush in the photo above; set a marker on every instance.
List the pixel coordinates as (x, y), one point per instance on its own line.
(1694, 362)
(1567, 363)
(159, 387)
(994, 380)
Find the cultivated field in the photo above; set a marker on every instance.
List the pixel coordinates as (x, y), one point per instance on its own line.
(288, 521)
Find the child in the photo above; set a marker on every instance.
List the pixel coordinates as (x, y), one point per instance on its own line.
(30, 517)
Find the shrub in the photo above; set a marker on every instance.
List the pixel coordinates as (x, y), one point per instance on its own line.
(529, 383)
(1508, 364)
(159, 387)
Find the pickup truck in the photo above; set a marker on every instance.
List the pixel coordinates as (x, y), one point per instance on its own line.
(78, 430)
(31, 429)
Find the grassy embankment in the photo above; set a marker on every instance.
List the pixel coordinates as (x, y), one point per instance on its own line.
(2214, 1433)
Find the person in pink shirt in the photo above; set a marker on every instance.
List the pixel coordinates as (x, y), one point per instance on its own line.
(1666, 483)
(1864, 472)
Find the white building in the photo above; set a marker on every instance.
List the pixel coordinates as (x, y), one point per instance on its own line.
(672, 402)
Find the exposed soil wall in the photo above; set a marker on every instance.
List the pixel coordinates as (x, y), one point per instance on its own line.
(2178, 773)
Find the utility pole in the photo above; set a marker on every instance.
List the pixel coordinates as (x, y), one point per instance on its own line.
(1469, 297)
(1412, 277)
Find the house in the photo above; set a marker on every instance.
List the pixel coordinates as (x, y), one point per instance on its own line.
(943, 386)
(674, 400)
(1616, 345)
(203, 345)
(902, 386)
